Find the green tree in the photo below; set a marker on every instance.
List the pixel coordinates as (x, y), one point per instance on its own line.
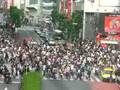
(73, 27)
(77, 24)
(58, 19)
(16, 15)
(70, 28)
(54, 16)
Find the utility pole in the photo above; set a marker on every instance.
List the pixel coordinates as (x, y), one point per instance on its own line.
(69, 10)
(39, 8)
(84, 22)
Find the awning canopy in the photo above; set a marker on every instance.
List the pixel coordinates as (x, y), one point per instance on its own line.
(31, 8)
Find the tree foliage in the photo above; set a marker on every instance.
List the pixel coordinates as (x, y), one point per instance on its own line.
(71, 27)
(16, 15)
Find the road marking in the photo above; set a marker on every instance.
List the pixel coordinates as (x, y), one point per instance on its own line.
(14, 82)
(84, 79)
(92, 80)
(5, 88)
(95, 78)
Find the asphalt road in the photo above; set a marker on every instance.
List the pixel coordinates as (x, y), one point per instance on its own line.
(65, 85)
(29, 32)
(9, 86)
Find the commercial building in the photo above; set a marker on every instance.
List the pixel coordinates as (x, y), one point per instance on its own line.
(47, 7)
(94, 15)
(73, 5)
(34, 9)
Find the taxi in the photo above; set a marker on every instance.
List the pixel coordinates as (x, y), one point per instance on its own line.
(108, 74)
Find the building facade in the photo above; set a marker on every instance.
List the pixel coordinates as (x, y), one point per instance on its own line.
(73, 5)
(94, 15)
(34, 9)
(47, 7)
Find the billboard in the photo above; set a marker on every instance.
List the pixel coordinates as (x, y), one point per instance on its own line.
(112, 24)
(109, 3)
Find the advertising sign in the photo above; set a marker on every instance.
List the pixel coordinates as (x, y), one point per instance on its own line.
(69, 9)
(112, 24)
(109, 41)
(109, 3)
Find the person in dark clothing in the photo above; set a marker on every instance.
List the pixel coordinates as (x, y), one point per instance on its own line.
(79, 75)
(89, 74)
(7, 78)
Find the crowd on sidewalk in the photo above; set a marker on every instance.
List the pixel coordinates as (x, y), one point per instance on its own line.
(55, 62)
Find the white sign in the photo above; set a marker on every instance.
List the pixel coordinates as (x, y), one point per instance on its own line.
(109, 41)
(109, 3)
(102, 6)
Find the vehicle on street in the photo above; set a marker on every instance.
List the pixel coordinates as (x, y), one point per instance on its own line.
(56, 37)
(108, 74)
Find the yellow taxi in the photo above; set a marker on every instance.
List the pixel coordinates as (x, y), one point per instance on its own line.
(108, 74)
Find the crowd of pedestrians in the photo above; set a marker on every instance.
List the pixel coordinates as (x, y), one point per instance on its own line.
(55, 62)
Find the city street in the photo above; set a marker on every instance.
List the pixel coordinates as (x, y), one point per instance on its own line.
(65, 85)
(60, 44)
(9, 86)
(93, 78)
(28, 31)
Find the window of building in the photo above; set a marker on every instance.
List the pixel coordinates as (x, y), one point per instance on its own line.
(48, 8)
(47, 1)
(33, 1)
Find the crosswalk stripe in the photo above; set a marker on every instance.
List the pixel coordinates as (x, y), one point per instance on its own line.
(95, 78)
(14, 82)
(84, 79)
(91, 79)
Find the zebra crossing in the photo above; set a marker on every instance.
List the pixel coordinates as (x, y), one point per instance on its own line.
(13, 82)
(93, 78)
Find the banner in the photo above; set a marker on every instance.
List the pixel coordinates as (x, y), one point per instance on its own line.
(62, 8)
(69, 9)
(112, 24)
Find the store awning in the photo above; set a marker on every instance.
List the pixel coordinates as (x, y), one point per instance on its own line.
(31, 8)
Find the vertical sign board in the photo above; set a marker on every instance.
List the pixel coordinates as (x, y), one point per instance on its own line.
(74, 5)
(112, 24)
(62, 6)
(69, 9)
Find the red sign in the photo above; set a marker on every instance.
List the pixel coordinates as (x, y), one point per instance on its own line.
(69, 9)
(112, 24)
(62, 6)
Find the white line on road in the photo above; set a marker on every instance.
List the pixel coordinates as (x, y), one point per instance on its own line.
(5, 88)
(84, 79)
(95, 78)
(92, 80)
(14, 82)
